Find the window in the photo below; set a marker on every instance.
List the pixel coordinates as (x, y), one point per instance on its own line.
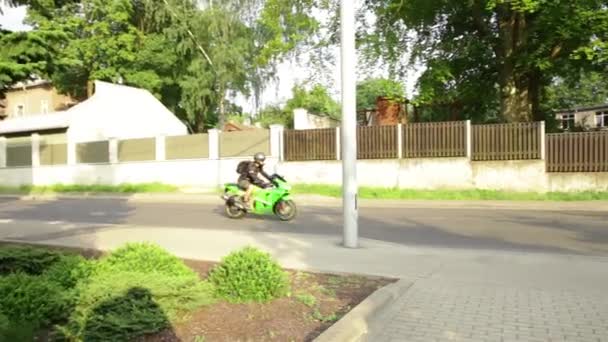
(567, 121)
(19, 110)
(601, 118)
(44, 107)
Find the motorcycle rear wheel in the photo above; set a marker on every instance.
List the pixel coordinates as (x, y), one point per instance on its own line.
(233, 211)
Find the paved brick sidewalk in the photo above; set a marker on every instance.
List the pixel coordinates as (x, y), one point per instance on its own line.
(434, 311)
(529, 306)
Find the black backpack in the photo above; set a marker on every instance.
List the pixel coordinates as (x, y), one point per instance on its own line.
(243, 167)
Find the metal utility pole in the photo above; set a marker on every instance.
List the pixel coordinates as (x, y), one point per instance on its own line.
(348, 59)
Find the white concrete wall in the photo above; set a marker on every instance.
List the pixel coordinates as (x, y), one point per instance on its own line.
(514, 175)
(302, 119)
(569, 182)
(439, 173)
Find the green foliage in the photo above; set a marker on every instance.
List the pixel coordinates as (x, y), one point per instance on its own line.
(370, 89)
(137, 289)
(307, 299)
(317, 100)
(275, 115)
(121, 305)
(25, 55)
(249, 275)
(27, 298)
(191, 57)
(462, 195)
(69, 270)
(583, 89)
(32, 261)
(10, 331)
(144, 258)
(488, 54)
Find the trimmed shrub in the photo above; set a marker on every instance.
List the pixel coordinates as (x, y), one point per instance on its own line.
(249, 275)
(35, 299)
(144, 258)
(136, 290)
(29, 260)
(69, 270)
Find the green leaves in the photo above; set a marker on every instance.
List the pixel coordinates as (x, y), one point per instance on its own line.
(370, 89)
(317, 100)
(249, 275)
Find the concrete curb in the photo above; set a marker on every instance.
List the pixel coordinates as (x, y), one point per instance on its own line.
(354, 326)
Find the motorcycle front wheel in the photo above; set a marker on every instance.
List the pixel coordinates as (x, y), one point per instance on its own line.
(285, 210)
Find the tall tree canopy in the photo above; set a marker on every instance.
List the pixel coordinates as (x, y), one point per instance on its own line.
(194, 56)
(483, 54)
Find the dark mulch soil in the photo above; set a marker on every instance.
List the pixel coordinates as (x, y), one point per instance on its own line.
(296, 318)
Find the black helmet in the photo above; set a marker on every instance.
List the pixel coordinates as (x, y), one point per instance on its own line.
(259, 157)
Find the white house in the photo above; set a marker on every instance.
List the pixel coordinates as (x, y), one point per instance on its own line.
(587, 117)
(114, 111)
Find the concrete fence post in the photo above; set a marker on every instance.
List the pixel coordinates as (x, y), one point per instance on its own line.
(35, 150)
(338, 146)
(214, 144)
(72, 158)
(469, 145)
(2, 152)
(161, 151)
(543, 141)
(399, 141)
(276, 135)
(113, 150)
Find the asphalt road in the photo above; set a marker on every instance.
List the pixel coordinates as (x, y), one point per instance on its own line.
(575, 232)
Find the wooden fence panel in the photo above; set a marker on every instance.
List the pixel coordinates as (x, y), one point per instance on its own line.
(517, 141)
(377, 142)
(310, 144)
(434, 140)
(577, 152)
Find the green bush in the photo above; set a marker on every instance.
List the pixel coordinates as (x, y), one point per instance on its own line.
(29, 260)
(69, 270)
(136, 290)
(249, 275)
(35, 299)
(144, 258)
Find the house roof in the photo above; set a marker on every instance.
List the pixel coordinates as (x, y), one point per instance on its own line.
(32, 123)
(29, 84)
(583, 108)
(233, 126)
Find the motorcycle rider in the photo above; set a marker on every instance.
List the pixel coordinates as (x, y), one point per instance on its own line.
(249, 176)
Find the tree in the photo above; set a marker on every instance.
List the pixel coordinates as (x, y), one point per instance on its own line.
(192, 58)
(25, 55)
(579, 90)
(316, 100)
(370, 89)
(507, 50)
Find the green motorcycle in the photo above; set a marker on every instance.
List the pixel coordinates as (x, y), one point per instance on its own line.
(275, 200)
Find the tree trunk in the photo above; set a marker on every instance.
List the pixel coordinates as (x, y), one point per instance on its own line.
(222, 111)
(515, 104)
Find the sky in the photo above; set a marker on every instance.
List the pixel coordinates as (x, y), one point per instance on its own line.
(289, 72)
